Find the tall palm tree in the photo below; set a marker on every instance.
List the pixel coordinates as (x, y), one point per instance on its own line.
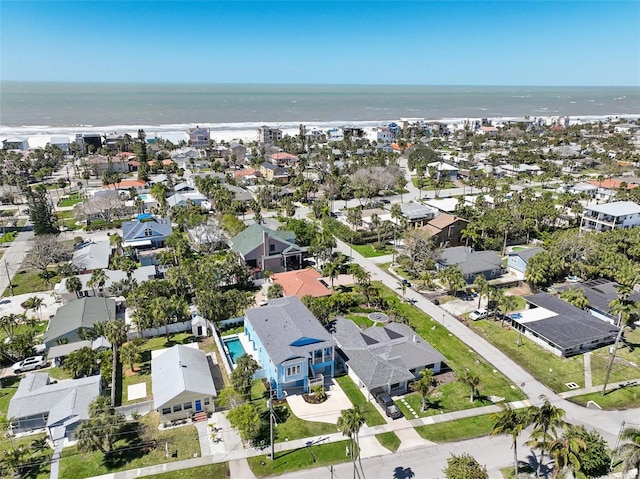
(511, 422)
(565, 452)
(98, 279)
(74, 285)
(424, 386)
(349, 423)
(116, 333)
(482, 284)
(130, 353)
(546, 419)
(472, 381)
(629, 452)
(507, 304)
(8, 323)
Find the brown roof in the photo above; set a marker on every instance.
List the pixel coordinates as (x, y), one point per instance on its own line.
(443, 220)
(246, 172)
(127, 184)
(611, 184)
(283, 156)
(301, 283)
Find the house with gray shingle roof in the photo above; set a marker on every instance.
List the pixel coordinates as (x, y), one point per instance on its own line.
(264, 249)
(181, 382)
(295, 351)
(57, 406)
(78, 314)
(92, 256)
(518, 260)
(149, 232)
(472, 263)
(383, 359)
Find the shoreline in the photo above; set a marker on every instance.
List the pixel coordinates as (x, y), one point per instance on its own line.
(39, 135)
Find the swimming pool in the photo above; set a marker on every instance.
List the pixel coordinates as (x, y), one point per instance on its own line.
(234, 346)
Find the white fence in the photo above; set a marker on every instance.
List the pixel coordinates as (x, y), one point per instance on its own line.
(153, 332)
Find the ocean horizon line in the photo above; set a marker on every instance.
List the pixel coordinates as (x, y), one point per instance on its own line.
(263, 84)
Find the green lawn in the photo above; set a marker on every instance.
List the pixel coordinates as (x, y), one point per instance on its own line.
(459, 357)
(43, 471)
(29, 281)
(212, 471)
(361, 321)
(457, 430)
(371, 414)
(38, 327)
(58, 373)
(71, 201)
(548, 368)
(390, 440)
(368, 251)
(183, 440)
(142, 371)
(303, 458)
(9, 388)
(622, 398)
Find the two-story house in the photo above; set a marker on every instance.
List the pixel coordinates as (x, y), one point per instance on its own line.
(269, 135)
(262, 248)
(146, 232)
(610, 216)
(198, 137)
(295, 351)
(273, 172)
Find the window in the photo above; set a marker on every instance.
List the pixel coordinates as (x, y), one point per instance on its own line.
(395, 385)
(293, 370)
(272, 248)
(148, 232)
(206, 401)
(187, 405)
(166, 410)
(177, 408)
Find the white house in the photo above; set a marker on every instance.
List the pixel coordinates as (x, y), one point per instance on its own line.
(610, 216)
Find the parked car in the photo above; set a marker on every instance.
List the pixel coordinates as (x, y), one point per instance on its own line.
(29, 364)
(480, 314)
(389, 406)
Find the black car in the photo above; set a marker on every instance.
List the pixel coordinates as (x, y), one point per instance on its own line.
(389, 406)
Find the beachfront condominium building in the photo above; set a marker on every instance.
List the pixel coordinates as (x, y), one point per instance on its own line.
(269, 135)
(610, 216)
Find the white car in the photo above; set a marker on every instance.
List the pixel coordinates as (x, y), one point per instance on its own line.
(479, 314)
(29, 364)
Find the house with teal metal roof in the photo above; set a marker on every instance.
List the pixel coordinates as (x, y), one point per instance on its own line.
(265, 249)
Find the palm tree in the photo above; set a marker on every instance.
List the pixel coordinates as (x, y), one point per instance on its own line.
(424, 386)
(349, 423)
(35, 303)
(8, 323)
(482, 284)
(507, 304)
(332, 269)
(116, 333)
(454, 277)
(575, 297)
(511, 422)
(98, 278)
(275, 290)
(471, 380)
(360, 275)
(629, 452)
(130, 353)
(546, 419)
(74, 285)
(566, 454)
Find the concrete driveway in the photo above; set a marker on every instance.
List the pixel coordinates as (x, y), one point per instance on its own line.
(328, 411)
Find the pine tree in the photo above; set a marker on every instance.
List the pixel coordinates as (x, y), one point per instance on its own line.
(41, 211)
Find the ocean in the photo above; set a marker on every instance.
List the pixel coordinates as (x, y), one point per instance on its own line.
(35, 108)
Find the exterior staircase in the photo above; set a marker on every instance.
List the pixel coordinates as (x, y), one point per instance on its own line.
(199, 416)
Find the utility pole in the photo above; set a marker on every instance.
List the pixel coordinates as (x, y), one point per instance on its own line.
(6, 267)
(613, 354)
(617, 443)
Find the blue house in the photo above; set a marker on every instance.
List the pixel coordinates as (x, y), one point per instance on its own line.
(146, 232)
(518, 260)
(295, 351)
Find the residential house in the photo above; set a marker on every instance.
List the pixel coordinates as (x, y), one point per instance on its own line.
(472, 263)
(384, 135)
(518, 260)
(183, 199)
(274, 172)
(57, 406)
(383, 359)
(141, 274)
(198, 137)
(239, 194)
(61, 142)
(521, 169)
(301, 283)
(608, 188)
(237, 152)
(78, 314)
(125, 186)
(610, 216)
(599, 294)
(283, 158)
(335, 135)
(92, 256)
(444, 205)
(146, 232)
(90, 141)
(353, 132)
(100, 164)
(265, 249)
(57, 354)
(417, 214)
(446, 230)
(443, 171)
(247, 176)
(268, 135)
(561, 327)
(295, 351)
(15, 143)
(182, 383)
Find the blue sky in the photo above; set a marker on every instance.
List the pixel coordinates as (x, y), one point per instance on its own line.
(386, 42)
